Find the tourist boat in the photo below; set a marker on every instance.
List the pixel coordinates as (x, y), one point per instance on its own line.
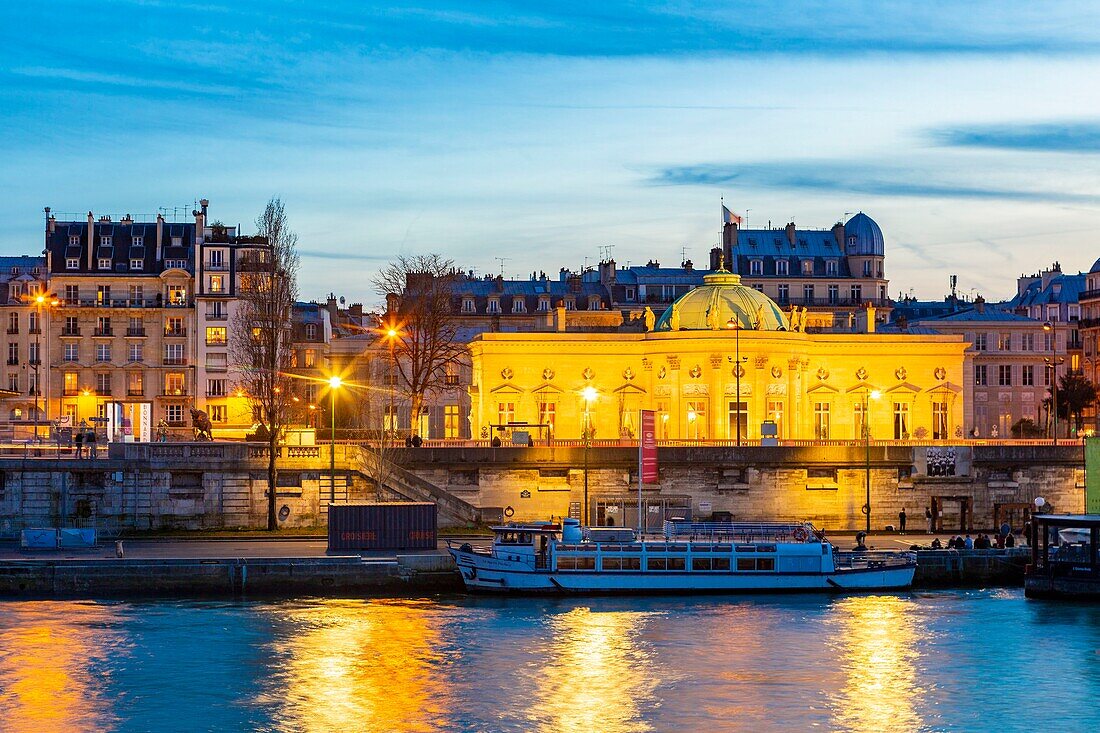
(1065, 556)
(691, 557)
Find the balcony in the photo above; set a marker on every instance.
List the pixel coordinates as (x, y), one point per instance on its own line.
(135, 393)
(247, 264)
(216, 342)
(135, 332)
(178, 303)
(70, 392)
(13, 362)
(36, 331)
(217, 316)
(215, 267)
(13, 331)
(181, 392)
(175, 331)
(70, 331)
(100, 331)
(1088, 295)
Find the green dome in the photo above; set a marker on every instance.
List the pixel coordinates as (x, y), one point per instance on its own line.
(721, 297)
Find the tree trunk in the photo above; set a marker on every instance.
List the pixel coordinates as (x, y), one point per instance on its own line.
(416, 402)
(272, 478)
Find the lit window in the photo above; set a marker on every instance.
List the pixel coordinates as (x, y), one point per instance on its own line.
(215, 335)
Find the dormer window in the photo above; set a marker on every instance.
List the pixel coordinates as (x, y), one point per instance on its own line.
(570, 304)
(831, 267)
(867, 268)
(493, 306)
(105, 263)
(807, 267)
(782, 267)
(756, 267)
(544, 303)
(311, 331)
(72, 263)
(630, 295)
(593, 302)
(137, 265)
(105, 241)
(15, 271)
(518, 305)
(138, 241)
(74, 240)
(468, 305)
(177, 241)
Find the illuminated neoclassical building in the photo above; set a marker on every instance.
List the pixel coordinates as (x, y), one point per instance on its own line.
(689, 364)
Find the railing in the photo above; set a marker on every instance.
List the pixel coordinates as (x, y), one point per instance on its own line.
(746, 532)
(174, 361)
(135, 393)
(103, 332)
(216, 342)
(12, 331)
(1089, 294)
(745, 443)
(217, 316)
(174, 393)
(175, 331)
(13, 362)
(135, 332)
(215, 267)
(36, 331)
(70, 332)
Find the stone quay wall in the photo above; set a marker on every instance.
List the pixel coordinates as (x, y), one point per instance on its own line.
(822, 484)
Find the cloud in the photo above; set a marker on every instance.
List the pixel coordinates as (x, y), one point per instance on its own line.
(320, 254)
(852, 178)
(1054, 137)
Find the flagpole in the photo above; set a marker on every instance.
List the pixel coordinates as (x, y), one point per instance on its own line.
(641, 441)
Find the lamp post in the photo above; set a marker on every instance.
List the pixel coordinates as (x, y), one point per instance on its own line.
(589, 394)
(334, 383)
(873, 394)
(735, 324)
(40, 302)
(392, 334)
(1053, 361)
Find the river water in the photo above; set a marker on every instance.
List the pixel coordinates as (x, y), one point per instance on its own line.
(958, 661)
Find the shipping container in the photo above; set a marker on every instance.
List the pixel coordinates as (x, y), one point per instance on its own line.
(38, 539)
(395, 525)
(84, 538)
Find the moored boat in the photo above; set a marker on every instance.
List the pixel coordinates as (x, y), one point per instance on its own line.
(710, 557)
(1065, 557)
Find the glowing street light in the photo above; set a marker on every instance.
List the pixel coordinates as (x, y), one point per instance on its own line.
(334, 383)
(589, 394)
(873, 394)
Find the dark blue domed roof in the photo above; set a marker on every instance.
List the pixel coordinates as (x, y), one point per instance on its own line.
(1095, 267)
(862, 236)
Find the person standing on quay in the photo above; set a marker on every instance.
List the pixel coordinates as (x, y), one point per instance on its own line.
(931, 521)
(901, 519)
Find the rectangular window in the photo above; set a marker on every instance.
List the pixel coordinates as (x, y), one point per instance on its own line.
(137, 351)
(173, 354)
(13, 354)
(859, 424)
(821, 420)
(174, 327)
(939, 421)
(71, 352)
(72, 294)
(548, 415)
(756, 267)
(215, 335)
(1027, 342)
(71, 384)
(174, 414)
(738, 419)
(867, 268)
(103, 383)
(544, 304)
(174, 383)
(32, 348)
(981, 377)
(901, 421)
(697, 419)
(311, 331)
(831, 267)
(856, 293)
(217, 259)
(217, 362)
(1004, 375)
(103, 326)
(137, 295)
(177, 295)
(33, 323)
(808, 294)
(1004, 342)
(784, 294)
(807, 267)
(217, 284)
(1027, 375)
(468, 305)
(135, 384)
(105, 263)
(518, 305)
(506, 412)
(13, 382)
(104, 240)
(493, 306)
(450, 421)
(136, 264)
(834, 294)
(13, 322)
(216, 387)
(775, 414)
(217, 413)
(102, 352)
(309, 358)
(72, 263)
(782, 267)
(136, 327)
(137, 241)
(103, 295)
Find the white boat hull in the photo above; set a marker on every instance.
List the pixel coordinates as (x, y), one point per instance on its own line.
(482, 572)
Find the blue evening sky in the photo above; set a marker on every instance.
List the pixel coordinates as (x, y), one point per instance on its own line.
(540, 132)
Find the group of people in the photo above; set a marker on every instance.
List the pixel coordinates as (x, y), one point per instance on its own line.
(85, 436)
(981, 542)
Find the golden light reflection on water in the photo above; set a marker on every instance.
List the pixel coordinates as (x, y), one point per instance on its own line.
(595, 677)
(878, 644)
(359, 666)
(47, 652)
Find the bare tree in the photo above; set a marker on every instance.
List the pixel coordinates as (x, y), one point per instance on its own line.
(260, 341)
(426, 324)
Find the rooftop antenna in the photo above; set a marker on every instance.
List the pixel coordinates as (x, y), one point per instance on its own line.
(954, 280)
(606, 251)
(746, 218)
(501, 260)
(683, 254)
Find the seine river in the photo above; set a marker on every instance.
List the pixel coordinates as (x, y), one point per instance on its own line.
(959, 661)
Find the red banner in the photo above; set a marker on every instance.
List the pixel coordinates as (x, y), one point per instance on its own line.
(649, 447)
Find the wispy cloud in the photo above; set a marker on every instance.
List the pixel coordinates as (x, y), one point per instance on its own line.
(1055, 137)
(320, 254)
(853, 178)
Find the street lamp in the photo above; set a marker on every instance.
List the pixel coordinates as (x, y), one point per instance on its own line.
(391, 333)
(1053, 361)
(334, 383)
(873, 394)
(735, 324)
(589, 394)
(40, 301)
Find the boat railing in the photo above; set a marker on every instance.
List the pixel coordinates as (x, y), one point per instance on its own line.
(742, 532)
(872, 559)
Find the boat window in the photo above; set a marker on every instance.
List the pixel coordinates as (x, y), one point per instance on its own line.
(656, 563)
(676, 563)
(721, 563)
(657, 547)
(622, 563)
(765, 563)
(677, 548)
(577, 562)
(610, 548)
(746, 548)
(700, 548)
(765, 548)
(722, 548)
(701, 563)
(746, 563)
(632, 548)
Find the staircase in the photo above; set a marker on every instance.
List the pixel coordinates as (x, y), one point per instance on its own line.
(407, 486)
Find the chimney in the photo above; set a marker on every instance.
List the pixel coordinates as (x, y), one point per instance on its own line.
(498, 283)
(687, 265)
(51, 222)
(204, 203)
(333, 310)
(559, 318)
(200, 224)
(870, 318)
(160, 237)
(729, 241)
(393, 302)
(979, 304)
(838, 234)
(791, 235)
(91, 240)
(356, 310)
(716, 258)
(607, 272)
